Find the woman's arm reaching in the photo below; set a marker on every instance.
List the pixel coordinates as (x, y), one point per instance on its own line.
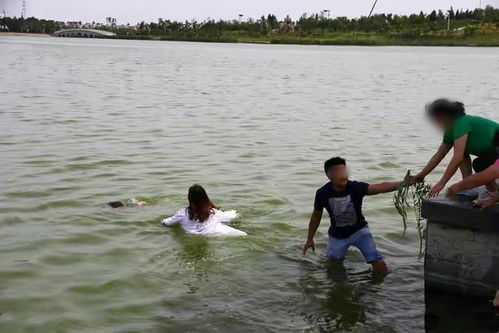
(174, 219)
(455, 162)
(434, 161)
(226, 216)
(481, 178)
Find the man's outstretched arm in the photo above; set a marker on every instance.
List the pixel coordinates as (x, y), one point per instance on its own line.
(384, 187)
(315, 221)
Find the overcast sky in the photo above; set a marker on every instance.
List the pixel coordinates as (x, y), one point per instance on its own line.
(134, 11)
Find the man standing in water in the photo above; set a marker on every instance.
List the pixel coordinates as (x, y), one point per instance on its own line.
(342, 199)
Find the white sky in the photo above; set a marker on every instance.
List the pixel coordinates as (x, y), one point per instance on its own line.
(134, 11)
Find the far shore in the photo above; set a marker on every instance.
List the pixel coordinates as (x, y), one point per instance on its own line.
(26, 34)
(340, 40)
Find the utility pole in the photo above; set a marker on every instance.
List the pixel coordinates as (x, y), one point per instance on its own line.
(23, 9)
(448, 21)
(372, 9)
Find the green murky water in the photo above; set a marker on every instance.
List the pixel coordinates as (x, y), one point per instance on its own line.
(84, 122)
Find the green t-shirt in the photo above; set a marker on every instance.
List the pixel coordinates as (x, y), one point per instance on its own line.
(481, 133)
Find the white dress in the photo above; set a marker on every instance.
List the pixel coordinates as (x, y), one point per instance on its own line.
(212, 226)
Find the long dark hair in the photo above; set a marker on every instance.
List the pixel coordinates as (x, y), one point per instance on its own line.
(200, 206)
(445, 107)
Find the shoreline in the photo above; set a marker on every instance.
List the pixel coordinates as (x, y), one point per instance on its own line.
(24, 34)
(375, 40)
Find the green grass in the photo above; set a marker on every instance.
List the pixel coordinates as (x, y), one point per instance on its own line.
(337, 39)
(386, 41)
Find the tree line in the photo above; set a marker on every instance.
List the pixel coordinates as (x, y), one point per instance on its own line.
(308, 25)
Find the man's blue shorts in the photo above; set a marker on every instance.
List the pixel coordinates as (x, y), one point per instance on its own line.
(362, 239)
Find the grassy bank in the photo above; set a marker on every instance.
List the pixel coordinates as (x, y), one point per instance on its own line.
(340, 39)
(361, 39)
(379, 40)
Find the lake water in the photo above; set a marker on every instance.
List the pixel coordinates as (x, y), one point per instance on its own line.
(84, 122)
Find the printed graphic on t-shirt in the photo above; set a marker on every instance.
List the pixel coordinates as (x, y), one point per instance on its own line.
(343, 211)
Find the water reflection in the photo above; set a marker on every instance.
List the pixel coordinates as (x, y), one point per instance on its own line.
(334, 298)
(193, 249)
(194, 255)
(449, 313)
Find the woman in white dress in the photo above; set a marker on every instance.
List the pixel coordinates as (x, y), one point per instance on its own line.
(202, 217)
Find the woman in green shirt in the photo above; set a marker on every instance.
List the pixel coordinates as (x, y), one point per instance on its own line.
(468, 135)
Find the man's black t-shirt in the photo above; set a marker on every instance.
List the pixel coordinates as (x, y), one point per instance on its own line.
(344, 208)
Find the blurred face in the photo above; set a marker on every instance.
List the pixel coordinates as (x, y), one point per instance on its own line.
(338, 174)
(442, 122)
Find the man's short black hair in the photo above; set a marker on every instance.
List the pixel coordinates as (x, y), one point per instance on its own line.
(332, 162)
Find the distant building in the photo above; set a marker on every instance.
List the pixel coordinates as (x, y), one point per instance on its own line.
(73, 24)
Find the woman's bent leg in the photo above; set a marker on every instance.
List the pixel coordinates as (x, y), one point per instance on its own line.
(480, 164)
(465, 167)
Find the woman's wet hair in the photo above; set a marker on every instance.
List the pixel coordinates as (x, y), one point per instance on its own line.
(446, 108)
(200, 206)
(116, 204)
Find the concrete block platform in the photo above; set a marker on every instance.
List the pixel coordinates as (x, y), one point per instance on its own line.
(462, 247)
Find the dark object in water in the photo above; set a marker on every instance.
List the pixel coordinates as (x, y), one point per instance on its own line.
(116, 204)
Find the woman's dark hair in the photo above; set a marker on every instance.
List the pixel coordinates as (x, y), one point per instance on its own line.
(116, 204)
(332, 162)
(200, 206)
(445, 107)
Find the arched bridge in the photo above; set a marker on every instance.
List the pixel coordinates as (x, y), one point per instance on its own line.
(92, 33)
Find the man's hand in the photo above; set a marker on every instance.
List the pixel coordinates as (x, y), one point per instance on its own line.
(417, 178)
(436, 189)
(309, 244)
